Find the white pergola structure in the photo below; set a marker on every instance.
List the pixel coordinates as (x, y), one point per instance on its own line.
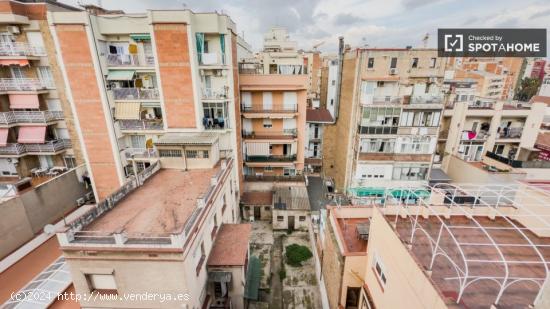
(496, 237)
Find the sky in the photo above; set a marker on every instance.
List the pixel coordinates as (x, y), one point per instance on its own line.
(380, 23)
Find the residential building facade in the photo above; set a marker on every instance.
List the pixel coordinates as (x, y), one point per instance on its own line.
(38, 136)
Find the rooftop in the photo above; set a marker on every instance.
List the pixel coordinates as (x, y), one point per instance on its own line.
(231, 246)
(320, 115)
(349, 235)
(162, 205)
(291, 198)
(257, 198)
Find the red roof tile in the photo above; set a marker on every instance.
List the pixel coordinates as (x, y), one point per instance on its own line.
(540, 99)
(257, 198)
(231, 246)
(318, 115)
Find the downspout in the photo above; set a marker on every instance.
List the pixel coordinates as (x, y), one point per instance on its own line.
(339, 77)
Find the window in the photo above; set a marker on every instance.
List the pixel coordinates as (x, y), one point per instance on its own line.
(267, 123)
(377, 145)
(280, 218)
(170, 153)
(268, 169)
(70, 162)
(419, 119)
(267, 208)
(101, 283)
(415, 63)
(192, 154)
(45, 75)
(302, 218)
(415, 145)
(433, 62)
(331, 102)
(380, 116)
(393, 63)
(410, 171)
(370, 63)
(205, 154)
(333, 82)
(379, 269)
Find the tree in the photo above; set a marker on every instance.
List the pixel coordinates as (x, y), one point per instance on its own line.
(528, 88)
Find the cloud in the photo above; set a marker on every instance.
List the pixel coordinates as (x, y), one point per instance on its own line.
(347, 19)
(413, 4)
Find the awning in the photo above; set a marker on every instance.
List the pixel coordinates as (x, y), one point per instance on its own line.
(4, 136)
(253, 276)
(219, 276)
(31, 135)
(150, 104)
(121, 75)
(127, 110)
(19, 62)
(362, 192)
(140, 37)
(23, 101)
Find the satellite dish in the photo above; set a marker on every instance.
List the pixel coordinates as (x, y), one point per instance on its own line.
(49, 229)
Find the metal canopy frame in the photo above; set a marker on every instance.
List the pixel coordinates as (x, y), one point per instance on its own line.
(501, 201)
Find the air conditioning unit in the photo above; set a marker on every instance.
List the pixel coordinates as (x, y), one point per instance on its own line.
(80, 202)
(393, 71)
(13, 29)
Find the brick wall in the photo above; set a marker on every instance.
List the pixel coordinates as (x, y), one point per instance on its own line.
(173, 55)
(76, 54)
(332, 266)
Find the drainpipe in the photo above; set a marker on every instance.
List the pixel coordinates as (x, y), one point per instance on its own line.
(339, 76)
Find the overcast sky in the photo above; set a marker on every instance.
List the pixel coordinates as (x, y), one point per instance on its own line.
(380, 23)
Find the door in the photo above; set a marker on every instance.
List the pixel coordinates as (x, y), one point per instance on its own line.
(315, 150)
(291, 222)
(286, 149)
(267, 100)
(316, 131)
(257, 214)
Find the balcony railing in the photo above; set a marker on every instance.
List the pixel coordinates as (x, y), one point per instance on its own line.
(427, 99)
(510, 132)
(24, 84)
(386, 100)
(145, 124)
(286, 108)
(211, 94)
(116, 60)
(135, 94)
(274, 178)
(271, 158)
(46, 147)
(251, 68)
(285, 134)
(30, 116)
(518, 163)
(218, 123)
(21, 49)
(140, 153)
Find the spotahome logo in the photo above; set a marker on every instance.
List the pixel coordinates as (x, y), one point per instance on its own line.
(491, 42)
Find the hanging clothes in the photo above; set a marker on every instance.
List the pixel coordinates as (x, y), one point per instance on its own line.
(200, 44)
(222, 46)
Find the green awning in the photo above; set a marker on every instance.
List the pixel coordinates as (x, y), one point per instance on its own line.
(253, 276)
(121, 75)
(406, 193)
(396, 193)
(363, 192)
(140, 37)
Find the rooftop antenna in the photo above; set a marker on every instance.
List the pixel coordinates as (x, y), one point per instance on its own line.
(425, 40)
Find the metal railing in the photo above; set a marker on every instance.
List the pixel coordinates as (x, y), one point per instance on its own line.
(386, 100)
(21, 49)
(278, 108)
(24, 84)
(510, 132)
(217, 123)
(271, 158)
(427, 99)
(518, 163)
(251, 68)
(46, 147)
(135, 94)
(286, 133)
(30, 116)
(117, 60)
(209, 93)
(272, 178)
(145, 124)
(213, 58)
(141, 153)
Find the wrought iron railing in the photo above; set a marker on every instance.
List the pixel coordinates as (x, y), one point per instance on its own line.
(135, 94)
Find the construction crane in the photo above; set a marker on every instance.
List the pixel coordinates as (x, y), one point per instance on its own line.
(318, 44)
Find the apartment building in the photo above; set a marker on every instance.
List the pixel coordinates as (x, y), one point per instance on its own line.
(171, 229)
(496, 78)
(37, 129)
(390, 106)
(135, 77)
(449, 249)
(273, 89)
(473, 127)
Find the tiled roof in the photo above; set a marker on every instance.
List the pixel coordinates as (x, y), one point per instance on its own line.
(257, 198)
(318, 115)
(540, 99)
(231, 246)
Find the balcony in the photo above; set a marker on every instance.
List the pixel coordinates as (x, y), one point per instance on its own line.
(427, 99)
(7, 118)
(135, 94)
(133, 60)
(251, 68)
(285, 134)
(52, 146)
(271, 158)
(387, 100)
(286, 108)
(24, 84)
(518, 163)
(212, 58)
(510, 133)
(212, 94)
(18, 49)
(140, 153)
(378, 130)
(141, 125)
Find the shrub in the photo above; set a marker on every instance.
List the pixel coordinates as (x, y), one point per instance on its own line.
(296, 254)
(282, 274)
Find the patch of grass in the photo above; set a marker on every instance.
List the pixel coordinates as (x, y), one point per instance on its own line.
(282, 274)
(296, 254)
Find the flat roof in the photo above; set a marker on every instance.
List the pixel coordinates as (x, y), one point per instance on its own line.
(348, 234)
(161, 206)
(231, 245)
(318, 115)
